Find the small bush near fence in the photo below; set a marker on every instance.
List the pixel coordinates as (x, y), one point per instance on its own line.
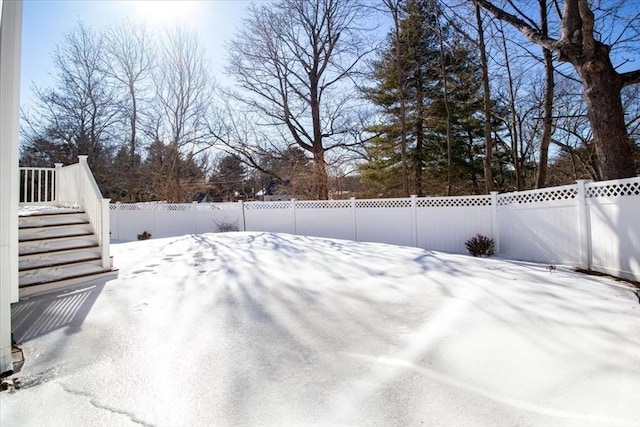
(225, 226)
(144, 236)
(480, 245)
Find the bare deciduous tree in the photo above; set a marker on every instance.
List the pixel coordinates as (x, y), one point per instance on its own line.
(293, 60)
(486, 102)
(129, 63)
(183, 93)
(79, 112)
(547, 126)
(579, 45)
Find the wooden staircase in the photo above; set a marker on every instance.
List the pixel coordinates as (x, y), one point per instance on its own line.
(58, 249)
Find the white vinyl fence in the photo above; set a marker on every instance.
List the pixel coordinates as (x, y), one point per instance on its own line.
(588, 225)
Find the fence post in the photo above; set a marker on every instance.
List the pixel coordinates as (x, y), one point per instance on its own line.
(56, 183)
(195, 216)
(293, 214)
(414, 219)
(354, 222)
(154, 207)
(583, 226)
(243, 220)
(494, 221)
(117, 221)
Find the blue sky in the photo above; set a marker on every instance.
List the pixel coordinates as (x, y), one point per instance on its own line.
(46, 21)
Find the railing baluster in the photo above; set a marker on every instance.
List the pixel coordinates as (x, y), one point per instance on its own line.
(33, 176)
(39, 189)
(46, 186)
(23, 180)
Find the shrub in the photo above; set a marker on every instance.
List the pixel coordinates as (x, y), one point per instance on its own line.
(224, 226)
(144, 236)
(480, 245)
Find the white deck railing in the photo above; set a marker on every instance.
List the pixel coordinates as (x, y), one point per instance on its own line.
(37, 185)
(72, 185)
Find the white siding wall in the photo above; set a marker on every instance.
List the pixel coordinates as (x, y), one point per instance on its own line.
(10, 44)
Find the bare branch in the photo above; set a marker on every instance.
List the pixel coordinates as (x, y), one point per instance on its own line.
(529, 32)
(630, 78)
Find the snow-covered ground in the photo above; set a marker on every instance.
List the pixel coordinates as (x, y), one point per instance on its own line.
(260, 328)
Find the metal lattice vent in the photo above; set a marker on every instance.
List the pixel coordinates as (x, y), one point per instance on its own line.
(597, 190)
(539, 196)
(267, 206)
(383, 203)
(324, 204)
(446, 202)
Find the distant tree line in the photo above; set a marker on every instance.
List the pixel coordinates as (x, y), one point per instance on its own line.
(450, 100)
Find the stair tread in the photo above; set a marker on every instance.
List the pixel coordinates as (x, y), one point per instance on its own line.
(48, 274)
(76, 276)
(55, 245)
(58, 260)
(53, 225)
(59, 250)
(35, 238)
(53, 285)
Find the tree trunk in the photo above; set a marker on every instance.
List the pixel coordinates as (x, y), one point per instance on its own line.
(401, 98)
(601, 87)
(547, 125)
(419, 150)
(320, 169)
(445, 98)
(486, 96)
(514, 128)
(470, 157)
(133, 121)
(321, 179)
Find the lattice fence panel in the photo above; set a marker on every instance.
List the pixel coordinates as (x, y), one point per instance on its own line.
(447, 202)
(259, 206)
(383, 203)
(539, 196)
(323, 204)
(129, 207)
(207, 207)
(175, 207)
(618, 189)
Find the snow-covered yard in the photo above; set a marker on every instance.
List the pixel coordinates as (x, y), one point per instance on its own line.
(259, 328)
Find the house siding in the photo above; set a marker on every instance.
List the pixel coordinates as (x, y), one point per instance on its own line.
(10, 46)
